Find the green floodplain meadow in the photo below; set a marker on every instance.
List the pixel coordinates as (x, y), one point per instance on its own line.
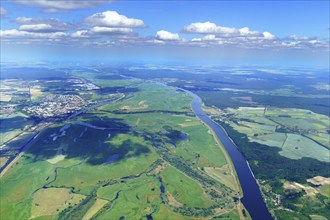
(144, 156)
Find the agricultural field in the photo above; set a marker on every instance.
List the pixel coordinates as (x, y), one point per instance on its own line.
(151, 97)
(145, 154)
(20, 91)
(281, 126)
(288, 151)
(12, 125)
(49, 201)
(14, 90)
(298, 133)
(123, 160)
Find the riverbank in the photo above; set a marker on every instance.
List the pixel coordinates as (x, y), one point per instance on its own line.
(252, 198)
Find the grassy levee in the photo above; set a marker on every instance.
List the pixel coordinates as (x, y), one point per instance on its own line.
(224, 175)
(236, 186)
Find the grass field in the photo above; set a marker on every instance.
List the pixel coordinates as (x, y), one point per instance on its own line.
(198, 142)
(272, 139)
(297, 147)
(153, 95)
(325, 190)
(50, 201)
(12, 125)
(223, 175)
(139, 197)
(233, 215)
(285, 147)
(36, 93)
(183, 188)
(16, 196)
(99, 203)
(105, 80)
(135, 198)
(102, 158)
(318, 217)
(167, 214)
(299, 133)
(9, 88)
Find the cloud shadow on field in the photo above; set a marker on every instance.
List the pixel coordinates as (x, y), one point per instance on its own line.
(93, 145)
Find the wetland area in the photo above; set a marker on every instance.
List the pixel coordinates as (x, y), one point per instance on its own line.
(130, 143)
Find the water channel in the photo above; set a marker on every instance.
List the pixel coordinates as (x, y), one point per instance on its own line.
(252, 198)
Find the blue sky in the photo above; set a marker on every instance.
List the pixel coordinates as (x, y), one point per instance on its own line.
(215, 32)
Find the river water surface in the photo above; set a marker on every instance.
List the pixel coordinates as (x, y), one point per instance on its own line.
(252, 198)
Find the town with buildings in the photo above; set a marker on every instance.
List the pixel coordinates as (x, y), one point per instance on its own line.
(56, 105)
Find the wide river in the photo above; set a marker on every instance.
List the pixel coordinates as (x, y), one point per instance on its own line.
(252, 198)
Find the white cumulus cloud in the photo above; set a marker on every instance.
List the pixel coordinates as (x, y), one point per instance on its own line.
(113, 19)
(208, 28)
(80, 34)
(295, 37)
(245, 31)
(165, 35)
(231, 36)
(36, 28)
(212, 28)
(268, 36)
(209, 37)
(110, 30)
(13, 34)
(42, 24)
(97, 32)
(52, 6)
